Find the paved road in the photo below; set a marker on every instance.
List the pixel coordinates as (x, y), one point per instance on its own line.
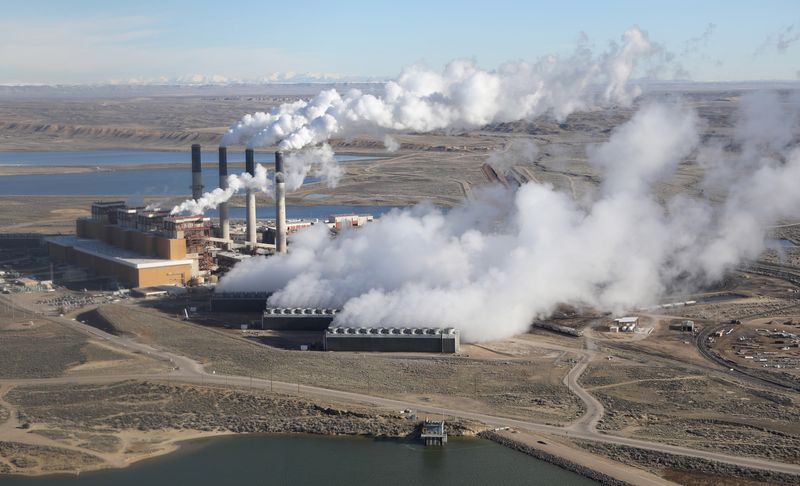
(189, 371)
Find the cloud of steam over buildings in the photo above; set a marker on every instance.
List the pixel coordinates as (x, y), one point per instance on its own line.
(505, 258)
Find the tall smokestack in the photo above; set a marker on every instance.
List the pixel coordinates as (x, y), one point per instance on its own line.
(250, 167)
(224, 223)
(197, 173)
(280, 204)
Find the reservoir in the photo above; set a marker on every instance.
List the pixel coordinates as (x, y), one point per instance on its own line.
(312, 460)
(100, 158)
(155, 182)
(102, 181)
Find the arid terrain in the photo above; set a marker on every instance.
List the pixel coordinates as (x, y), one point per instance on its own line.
(657, 406)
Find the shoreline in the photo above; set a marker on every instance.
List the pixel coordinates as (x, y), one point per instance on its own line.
(553, 459)
(184, 444)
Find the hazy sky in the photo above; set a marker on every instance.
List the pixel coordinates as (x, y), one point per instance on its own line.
(85, 41)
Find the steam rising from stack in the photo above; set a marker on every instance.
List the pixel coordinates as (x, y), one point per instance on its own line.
(462, 96)
(505, 258)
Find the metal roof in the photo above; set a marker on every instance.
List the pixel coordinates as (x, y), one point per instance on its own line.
(109, 252)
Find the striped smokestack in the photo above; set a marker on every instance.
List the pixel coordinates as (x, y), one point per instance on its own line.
(197, 173)
(224, 222)
(250, 167)
(280, 204)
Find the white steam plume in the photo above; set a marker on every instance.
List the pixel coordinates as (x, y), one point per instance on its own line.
(462, 96)
(505, 258)
(317, 161)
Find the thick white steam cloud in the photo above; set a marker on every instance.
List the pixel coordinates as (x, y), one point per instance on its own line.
(462, 96)
(505, 258)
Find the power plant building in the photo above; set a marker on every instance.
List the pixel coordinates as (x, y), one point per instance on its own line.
(392, 340)
(297, 319)
(144, 247)
(138, 247)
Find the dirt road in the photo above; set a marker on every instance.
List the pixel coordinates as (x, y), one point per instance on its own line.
(189, 371)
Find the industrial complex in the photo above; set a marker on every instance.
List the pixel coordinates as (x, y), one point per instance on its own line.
(146, 248)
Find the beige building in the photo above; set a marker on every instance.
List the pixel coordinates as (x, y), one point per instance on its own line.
(140, 248)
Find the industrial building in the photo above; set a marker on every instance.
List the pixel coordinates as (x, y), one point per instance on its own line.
(338, 222)
(297, 319)
(626, 324)
(432, 433)
(390, 339)
(252, 302)
(143, 247)
(138, 247)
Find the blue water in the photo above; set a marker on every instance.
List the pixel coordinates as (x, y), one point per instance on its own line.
(329, 461)
(155, 182)
(321, 211)
(99, 158)
(144, 182)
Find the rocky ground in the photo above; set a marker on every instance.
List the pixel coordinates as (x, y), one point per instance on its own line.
(96, 425)
(528, 386)
(156, 406)
(16, 458)
(689, 408)
(688, 470)
(39, 351)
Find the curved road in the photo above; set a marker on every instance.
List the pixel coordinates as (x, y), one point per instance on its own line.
(189, 371)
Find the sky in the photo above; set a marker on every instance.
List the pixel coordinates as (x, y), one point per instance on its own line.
(87, 41)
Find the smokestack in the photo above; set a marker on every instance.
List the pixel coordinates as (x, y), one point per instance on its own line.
(224, 223)
(197, 173)
(250, 167)
(280, 204)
